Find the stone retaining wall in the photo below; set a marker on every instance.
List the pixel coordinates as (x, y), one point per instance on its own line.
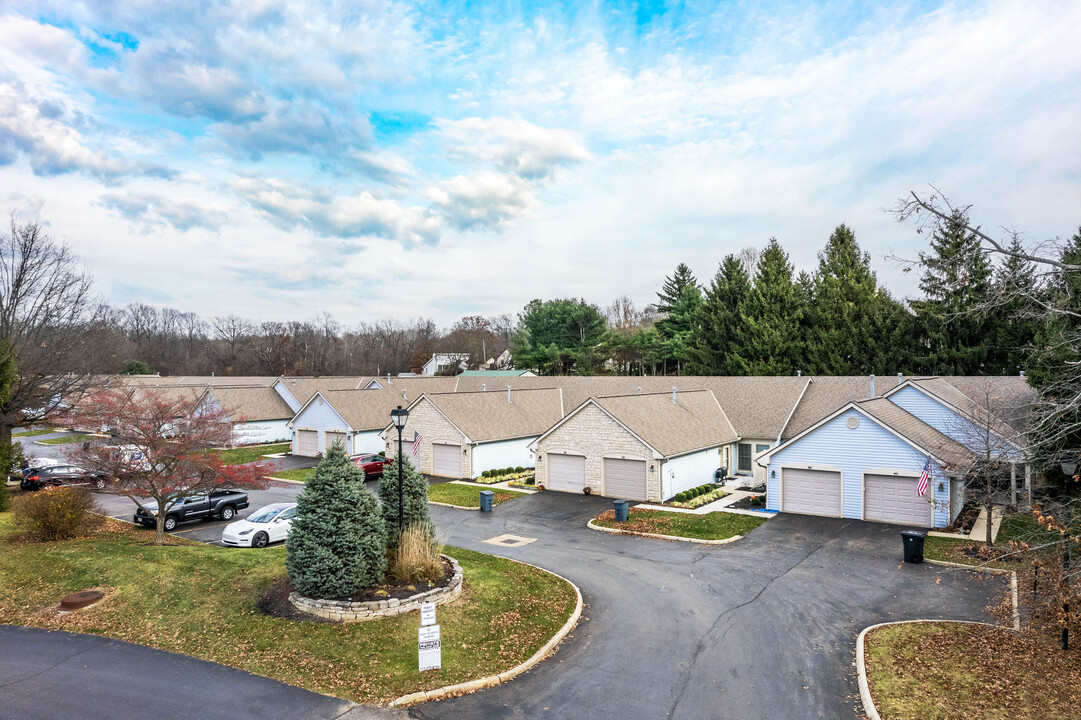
(345, 611)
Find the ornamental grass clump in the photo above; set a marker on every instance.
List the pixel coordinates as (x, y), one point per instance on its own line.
(57, 514)
(337, 543)
(414, 499)
(418, 555)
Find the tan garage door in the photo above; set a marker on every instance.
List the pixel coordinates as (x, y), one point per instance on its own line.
(308, 443)
(566, 472)
(893, 499)
(447, 460)
(811, 492)
(625, 479)
(335, 437)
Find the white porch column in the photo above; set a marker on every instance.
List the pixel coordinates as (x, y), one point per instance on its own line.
(1013, 484)
(1028, 485)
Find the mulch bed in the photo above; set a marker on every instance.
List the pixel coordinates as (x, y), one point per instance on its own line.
(744, 503)
(998, 553)
(275, 601)
(965, 519)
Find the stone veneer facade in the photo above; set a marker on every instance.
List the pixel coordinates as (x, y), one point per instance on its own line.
(593, 433)
(344, 611)
(425, 419)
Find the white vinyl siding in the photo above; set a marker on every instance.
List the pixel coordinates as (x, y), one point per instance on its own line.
(566, 472)
(625, 479)
(811, 492)
(261, 431)
(893, 499)
(318, 415)
(307, 443)
(688, 471)
(447, 460)
(503, 454)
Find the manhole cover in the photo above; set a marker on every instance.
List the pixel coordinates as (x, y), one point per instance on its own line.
(509, 540)
(80, 599)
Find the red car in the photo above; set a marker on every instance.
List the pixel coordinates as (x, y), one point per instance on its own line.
(371, 464)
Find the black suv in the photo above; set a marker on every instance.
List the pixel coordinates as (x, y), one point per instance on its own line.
(62, 475)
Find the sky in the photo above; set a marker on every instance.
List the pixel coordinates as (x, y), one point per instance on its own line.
(277, 160)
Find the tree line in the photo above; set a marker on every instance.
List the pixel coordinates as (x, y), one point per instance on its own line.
(757, 316)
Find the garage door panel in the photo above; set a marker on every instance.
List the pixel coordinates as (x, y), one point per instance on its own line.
(893, 499)
(334, 437)
(447, 460)
(566, 473)
(811, 492)
(308, 443)
(625, 479)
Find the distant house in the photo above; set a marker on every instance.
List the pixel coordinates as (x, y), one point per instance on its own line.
(498, 373)
(445, 362)
(353, 418)
(259, 414)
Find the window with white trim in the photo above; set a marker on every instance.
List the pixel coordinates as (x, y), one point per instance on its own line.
(744, 458)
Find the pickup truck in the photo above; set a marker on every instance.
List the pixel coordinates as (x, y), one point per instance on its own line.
(218, 504)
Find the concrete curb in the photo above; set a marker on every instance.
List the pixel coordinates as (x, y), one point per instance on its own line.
(456, 507)
(492, 680)
(488, 486)
(994, 571)
(861, 669)
(286, 480)
(616, 531)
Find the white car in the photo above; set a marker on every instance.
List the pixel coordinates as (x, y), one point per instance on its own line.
(264, 526)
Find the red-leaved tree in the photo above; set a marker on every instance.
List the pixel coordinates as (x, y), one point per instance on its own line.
(162, 447)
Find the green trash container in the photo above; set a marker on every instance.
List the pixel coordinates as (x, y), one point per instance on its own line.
(622, 509)
(913, 541)
(486, 500)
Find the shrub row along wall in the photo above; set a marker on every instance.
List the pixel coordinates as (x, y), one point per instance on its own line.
(345, 611)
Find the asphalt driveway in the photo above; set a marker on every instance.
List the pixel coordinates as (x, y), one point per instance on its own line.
(762, 628)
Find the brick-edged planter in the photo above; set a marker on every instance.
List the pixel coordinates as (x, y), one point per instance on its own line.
(345, 611)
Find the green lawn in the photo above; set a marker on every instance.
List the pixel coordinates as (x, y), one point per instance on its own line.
(301, 475)
(67, 439)
(202, 600)
(711, 526)
(937, 671)
(34, 433)
(467, 495)
(252, 453)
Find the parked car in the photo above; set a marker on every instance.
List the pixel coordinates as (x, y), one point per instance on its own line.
(264, 526)
(218, 504)
(34, 479)
(371, 464)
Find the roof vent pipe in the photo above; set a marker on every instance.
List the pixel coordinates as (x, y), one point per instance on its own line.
(872, 386)
(403, 394)
(484, 387)
(799, 373)
(673, 395)
(639, 391)
(508, 393)
(899, 376)
(1022, 373)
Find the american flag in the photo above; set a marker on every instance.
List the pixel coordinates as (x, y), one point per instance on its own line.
(416, 444)
(921, 489)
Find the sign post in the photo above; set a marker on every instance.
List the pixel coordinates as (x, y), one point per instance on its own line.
(429, 648)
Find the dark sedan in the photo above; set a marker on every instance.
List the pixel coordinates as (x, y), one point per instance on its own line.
(70, 475)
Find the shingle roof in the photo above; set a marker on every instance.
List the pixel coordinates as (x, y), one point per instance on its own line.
(695, 421)
(488, 416)
(304, 388)
(956, 457)
(364, 409)
(828, 394)
(252, 403)
(1001, 403)
(196, 380)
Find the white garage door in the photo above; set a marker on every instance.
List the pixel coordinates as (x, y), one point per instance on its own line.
(335, 437)
(447, 460)
(893, 499)
(625, 479)
(566, 472)
(811, 492)
(308, 443)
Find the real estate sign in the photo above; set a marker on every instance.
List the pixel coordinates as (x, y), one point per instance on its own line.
(429, 648)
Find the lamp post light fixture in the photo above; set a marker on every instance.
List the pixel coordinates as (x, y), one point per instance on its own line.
(399, 417)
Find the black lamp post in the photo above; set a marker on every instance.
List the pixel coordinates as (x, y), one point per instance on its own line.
(399, 416)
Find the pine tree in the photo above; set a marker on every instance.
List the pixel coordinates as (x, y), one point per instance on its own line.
(673, 288)
(414, 496)
(1012, 322)
(717, 332)
(952, 319)
(771, 317)
(839, 333)
(337, 543)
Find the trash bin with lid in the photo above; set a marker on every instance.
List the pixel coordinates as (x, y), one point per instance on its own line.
(720, 474)
(913, 542)
(622, 509)
(486, 500)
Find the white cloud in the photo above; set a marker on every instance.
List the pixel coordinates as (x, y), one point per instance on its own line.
(152, 210)
(512, 144)
(484, 199)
